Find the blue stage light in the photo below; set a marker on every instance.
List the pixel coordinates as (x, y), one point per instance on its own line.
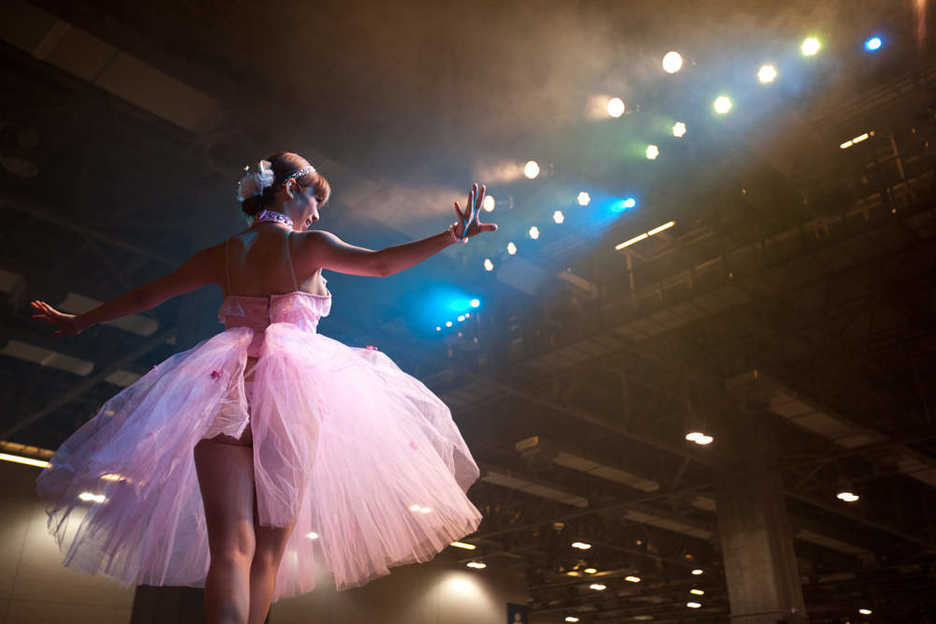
(873, 44)
(623, 204)
(475, 303)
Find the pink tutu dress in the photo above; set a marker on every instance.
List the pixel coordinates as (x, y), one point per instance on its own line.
(362, 456)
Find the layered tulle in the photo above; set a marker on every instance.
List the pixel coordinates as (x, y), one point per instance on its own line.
(362, 457)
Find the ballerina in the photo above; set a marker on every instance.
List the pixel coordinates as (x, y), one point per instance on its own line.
(268, 451)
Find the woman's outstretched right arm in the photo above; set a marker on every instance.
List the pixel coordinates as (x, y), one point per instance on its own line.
(324, 249)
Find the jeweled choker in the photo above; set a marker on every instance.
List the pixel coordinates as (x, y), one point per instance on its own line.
(272, 215)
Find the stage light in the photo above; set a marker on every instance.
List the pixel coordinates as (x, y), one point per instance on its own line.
(581, 545)
(697, 592)
(531, 169)
(630, 202)
(488, 203)
(672, 62)
(463, 545)
(312, 535)
(477, 565)
(847, 496)
(38, 463)
(679, 129)
(449, 323)
(699, 438)
(474, 303)
(722, 104)
(857, 139)
(511, 248)
(864, 611)
(693, 605)
(558, 217)
(616, 107)
(488, 266)
(438, 328)
(630, 242)
(534, 232)
(873, 44)
(90, 497)
(583, 199)
(461, 318)
(810, 46)
(697, 572)
(652, 152)
(632, 579)
(590, 570)
(571, 618)
(767, 74)
(598, 587)
(468, 314)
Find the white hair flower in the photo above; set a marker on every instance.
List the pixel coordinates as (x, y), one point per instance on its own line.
(252, 183)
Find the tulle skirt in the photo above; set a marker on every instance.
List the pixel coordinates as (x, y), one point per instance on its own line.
(364, 459)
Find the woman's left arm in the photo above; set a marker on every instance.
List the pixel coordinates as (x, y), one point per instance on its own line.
(194, 273)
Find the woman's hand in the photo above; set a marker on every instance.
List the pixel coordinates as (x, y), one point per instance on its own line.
(475, 200)
(68, 324)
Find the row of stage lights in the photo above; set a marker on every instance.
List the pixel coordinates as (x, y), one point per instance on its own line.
(692, 604)
(722, 105)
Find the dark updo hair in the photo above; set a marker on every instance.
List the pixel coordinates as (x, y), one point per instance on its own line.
(284, 164)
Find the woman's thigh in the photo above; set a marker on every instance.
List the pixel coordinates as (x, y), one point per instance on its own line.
(226, 479)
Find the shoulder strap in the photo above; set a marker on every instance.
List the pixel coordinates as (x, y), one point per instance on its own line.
(227, 268)
(292, 271)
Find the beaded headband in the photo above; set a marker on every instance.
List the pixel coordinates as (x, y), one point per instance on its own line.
(252, 183)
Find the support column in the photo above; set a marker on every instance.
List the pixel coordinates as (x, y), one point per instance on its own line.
(761, 568)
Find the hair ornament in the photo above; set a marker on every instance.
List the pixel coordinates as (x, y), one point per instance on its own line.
(252, 183)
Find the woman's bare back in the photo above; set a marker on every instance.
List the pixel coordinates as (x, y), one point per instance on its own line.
(256, 262)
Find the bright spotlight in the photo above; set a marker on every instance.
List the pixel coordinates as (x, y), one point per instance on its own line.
(571, 618)
(767, 74)
(438, 328)
(511, 248)
(679, 129)
(695, 591)
(488, 203)
(488, 266)
(461, 318)
(616, 107)
(672, 62)
(630, 202)
(847, 496)
(864, 611)
(697, 572)
(449, 324)
(534, 232)
(581, 545)
(558, 217)
(652, 152)
(873, 44)
(474, 303)
(598, 587)
(583, 199)
(531, 169)
(810, 46)
(632, 579)
(722, 104)
(693, 605)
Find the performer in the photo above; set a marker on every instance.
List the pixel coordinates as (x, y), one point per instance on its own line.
(267, 451)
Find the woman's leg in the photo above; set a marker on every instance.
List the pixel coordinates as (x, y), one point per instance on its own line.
(226, 480)
(271, 543)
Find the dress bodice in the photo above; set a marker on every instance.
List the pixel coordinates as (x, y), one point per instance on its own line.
(299, 308)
